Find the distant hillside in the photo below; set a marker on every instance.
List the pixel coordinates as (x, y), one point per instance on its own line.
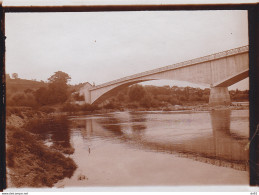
(20, 85)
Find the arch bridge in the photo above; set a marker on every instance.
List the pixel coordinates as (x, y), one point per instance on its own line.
(217, 71)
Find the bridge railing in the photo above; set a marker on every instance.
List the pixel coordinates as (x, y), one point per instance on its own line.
(215, 56)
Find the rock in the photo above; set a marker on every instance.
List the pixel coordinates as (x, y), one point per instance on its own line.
(82, 177)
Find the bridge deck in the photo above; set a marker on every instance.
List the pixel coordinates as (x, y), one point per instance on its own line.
(211, 57)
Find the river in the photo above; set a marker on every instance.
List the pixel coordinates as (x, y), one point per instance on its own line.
(154, 147)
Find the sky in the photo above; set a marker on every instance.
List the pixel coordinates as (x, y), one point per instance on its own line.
(102, 46)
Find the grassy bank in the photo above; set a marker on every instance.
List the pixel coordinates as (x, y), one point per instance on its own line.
(30, 163)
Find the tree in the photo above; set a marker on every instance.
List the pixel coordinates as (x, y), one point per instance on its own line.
(121, 97)
(146, 101)
(136, 92)
(56, 92)
(42, 96)
(78, 97)
(59, 77)
(58, 88)
(15, 75)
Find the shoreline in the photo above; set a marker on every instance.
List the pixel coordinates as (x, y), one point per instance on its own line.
(30, 163)
(28, 112)
(15, 123)
(202, 107)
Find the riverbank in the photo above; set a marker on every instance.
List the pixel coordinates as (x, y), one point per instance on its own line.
(75, 110)
(30, 163)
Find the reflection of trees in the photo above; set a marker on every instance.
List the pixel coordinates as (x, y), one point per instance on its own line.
(138, 125)
(112, 124)
(138, 117)
(55, 130)
(222, 146)
(138, 128)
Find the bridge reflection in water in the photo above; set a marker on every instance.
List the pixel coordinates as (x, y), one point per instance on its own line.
(221, 147)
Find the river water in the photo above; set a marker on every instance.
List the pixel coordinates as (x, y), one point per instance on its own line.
(154, 148)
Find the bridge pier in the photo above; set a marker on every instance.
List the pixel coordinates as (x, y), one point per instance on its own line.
(219, 96)
(85, 91)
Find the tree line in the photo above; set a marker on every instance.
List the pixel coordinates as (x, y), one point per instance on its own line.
(138, 96)
(54, 92)
(57, 92)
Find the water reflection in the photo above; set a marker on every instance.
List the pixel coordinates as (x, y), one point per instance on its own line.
(138, 125)
(216, 144)
(112, 124)
(54, 131)
(85, 128)
(215, 137)
(226, 144)
(220, 121)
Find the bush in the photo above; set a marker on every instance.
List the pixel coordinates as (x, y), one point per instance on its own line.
(21, 99)
(89, 107)
(146, 102)
(110, 105)
(133, 105)
(136, 92)
(78, 97)
(12, 110)
(173, 101)
(47, 109)
(70, 108)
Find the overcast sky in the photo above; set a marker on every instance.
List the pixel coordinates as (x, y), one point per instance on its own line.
(103, 46)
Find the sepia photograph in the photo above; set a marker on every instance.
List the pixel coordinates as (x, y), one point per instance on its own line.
(127, 98)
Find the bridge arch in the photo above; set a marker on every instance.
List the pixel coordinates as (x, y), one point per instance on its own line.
(102, 97)
(217, 71)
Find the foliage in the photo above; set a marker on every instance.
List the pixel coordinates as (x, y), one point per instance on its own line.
(58, 88)
(56, 92)
(78, 97)
(47, 109)
(21, 99)
(146, 102)
(137, 96)
(136, 93)
(38, 93)
(15, 75)
(42, 96)
(59, 77)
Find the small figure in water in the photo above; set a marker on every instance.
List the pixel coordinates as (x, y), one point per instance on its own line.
(89, 149)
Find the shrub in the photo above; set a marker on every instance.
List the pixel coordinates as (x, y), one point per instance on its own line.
(146, 102)
(70, 108)
(110, 105)
(136, 92)
(78, 97)
(89, 107)
(47, 109)
(133, 105)
(173, 101)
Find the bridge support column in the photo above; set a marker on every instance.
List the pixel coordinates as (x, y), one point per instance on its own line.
(219, 96)
(85, 91)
